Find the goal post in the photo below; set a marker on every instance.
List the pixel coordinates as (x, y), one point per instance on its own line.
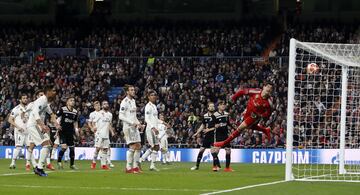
(323, 116)
(290, 114)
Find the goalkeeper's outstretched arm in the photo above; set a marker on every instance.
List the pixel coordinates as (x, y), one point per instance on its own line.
(245, 91)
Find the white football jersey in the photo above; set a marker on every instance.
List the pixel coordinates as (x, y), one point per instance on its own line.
(151, 116)
(28, 109)
(19, 114)
(93, 115)
(162, 131)
(127, 112)
(38, 110)
(103, 121)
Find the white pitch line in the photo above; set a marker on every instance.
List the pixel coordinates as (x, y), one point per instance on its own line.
(245, 187)
(167, 168)
(32, 173)
(23, 173)
(108, 188)
(69, 171)
(11, 174)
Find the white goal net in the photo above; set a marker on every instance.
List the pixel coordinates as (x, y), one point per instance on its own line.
(323, 121)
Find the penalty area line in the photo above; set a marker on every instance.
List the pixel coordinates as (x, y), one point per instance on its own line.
(245, 187)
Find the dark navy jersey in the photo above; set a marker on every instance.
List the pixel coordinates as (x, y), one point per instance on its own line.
(209, 121)
(67, 119)
(222, 119)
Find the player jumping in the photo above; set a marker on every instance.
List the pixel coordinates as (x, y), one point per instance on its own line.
(258, 107)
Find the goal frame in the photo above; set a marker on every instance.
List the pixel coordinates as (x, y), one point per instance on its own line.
(290, 108)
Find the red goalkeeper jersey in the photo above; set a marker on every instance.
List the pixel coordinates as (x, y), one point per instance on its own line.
(256, 104)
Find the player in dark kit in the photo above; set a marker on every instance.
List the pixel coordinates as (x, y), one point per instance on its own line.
(207, 130)
(221, 133)
(258, 108)
(69, 127)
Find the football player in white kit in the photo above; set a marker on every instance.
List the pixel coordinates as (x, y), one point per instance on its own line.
(39, 132)
(18, 120)
(152, 127)
(163, 137)
(29, 152)
(131, 126)
(92, 125)
(103, 122)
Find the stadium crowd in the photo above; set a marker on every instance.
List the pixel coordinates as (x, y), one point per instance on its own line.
(184, 84)
(160, 39)
(184, 87)
(325, 32)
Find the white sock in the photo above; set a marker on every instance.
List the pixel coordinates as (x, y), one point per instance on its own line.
(153, 158)
(33, 161)
(53, 153)
(136, 158)
(28, 157)
(129, 158)
(109, 156)
(103, 157)
(48, 160)
(32, 158)
(163, 155)
(167, 156)
(21, 153)
(17, 151)
(96, 153)
(44, 152)
(146, 154)
(66, 155)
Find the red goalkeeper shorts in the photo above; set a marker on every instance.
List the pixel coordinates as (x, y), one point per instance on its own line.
(251, 119)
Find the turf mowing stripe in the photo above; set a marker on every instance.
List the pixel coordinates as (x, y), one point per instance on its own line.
(245, 187)
(109, 188)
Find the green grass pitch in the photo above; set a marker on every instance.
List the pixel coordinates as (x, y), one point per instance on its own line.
(172, 179)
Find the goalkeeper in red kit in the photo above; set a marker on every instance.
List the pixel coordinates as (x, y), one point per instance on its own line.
(258, 108)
